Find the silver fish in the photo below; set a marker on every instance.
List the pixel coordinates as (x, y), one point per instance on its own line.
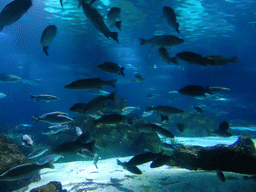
(38, 152)
(48, 35)
(44, 97)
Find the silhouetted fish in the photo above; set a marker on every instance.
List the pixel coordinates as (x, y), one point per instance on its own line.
(48, 35)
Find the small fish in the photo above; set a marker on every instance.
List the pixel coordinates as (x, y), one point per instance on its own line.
(55, 129)
(131, 168)
(152, 95)
(162, 41)
(50, 158)
(138, 78)
(113, 15)
(198, 109)
(32, 82)
(47, 37)
(194, 90)
(220, 175)
(53, 118)
(93, 83)
(95, 160)
(78, 131)
(43, 97)
(9, 78)
(129, 109)
(164, 55)
(170, 17)
(165, 109)
(2, 95)
(222, 130)
(111, 67)
(37, 153)
(218, 89)
(26, 140)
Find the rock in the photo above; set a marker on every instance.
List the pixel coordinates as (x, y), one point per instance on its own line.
(53, 186)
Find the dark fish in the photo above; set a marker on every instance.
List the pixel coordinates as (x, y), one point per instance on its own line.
(53, 118)
(13, 11)
(48, 35)
(220, 60)
(9, 78)
(110, 119)
(164, 118)
(112, 68)
(130, 168)
(143, 158)
(192, 58)
(138, 78)
(71, 147)
(24, 171)
(93, 83)
(43, 97)
(94, 105)
(224, 126)
(55, 129)
(162, 41)
(165, 109)
(194, 90)
(160, 161)
(218, 89)
(180, 127)
(170, 17)
(222, 130)
(113, 15)
(220, 175)
(164, 55)
(152, 128)
(49, 158)
(198, 109)
(97, 20)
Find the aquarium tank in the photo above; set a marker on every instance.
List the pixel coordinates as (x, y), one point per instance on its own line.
(127, 95)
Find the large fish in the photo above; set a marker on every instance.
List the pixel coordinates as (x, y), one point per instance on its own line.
(131, 168)
(143, 158)
(97, 20)
(93, 83)
(216, 60)
(9, 78)
(44, 97)
(195, 90)
(193, 58)
(152, 128)
(113, 15)
(164, 55)
(170, 17)
(47, 36)
(13, 11)
(165, 109)
(94, 105)
(110, 119)
(112, 68)
(162, 41)
(24, 171)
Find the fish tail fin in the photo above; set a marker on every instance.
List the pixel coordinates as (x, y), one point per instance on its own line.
(122, 71)
(61, 3)
(149, 108)
(177, 28)
(208, 90)
(112, 83)
(234, 60)
(114, 36)
(112, 96)
(142, 41)
(118, 24)
(45, 49)
(174, 60)
(118, 162)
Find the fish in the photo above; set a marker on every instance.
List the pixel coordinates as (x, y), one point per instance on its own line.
(164, 118)
(2, 95)
(54, 118)
(193, 58)
(113, 15)
(94, 105)
(143, 158)
(9, 78)
(47, 37)
(194, 90)
(93, 83)
(98, 21)
(167, 147)
(222, 130)
(32, 82)
(24, 171)
(138, 78)
(170, 17)
(160, 161)
(152, 95)
(224, 126)
(198, 109)
(23, 126)
(131, 168)
(180, 127)
(216, 60)
(221, 175)
(55, 129)
(37, 152)
(95, 160)
(26, 140)
(129, 109)
(152, 128)
(86, 1)
(44, 97)
(165, 109)
(112, 68)
(218, 89)
(162, 41)
(110, 119)
(13, 11)
(164, 55)
(71, 147)
(50, 158)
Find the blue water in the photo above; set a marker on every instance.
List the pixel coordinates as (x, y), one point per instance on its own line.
(224, 28)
